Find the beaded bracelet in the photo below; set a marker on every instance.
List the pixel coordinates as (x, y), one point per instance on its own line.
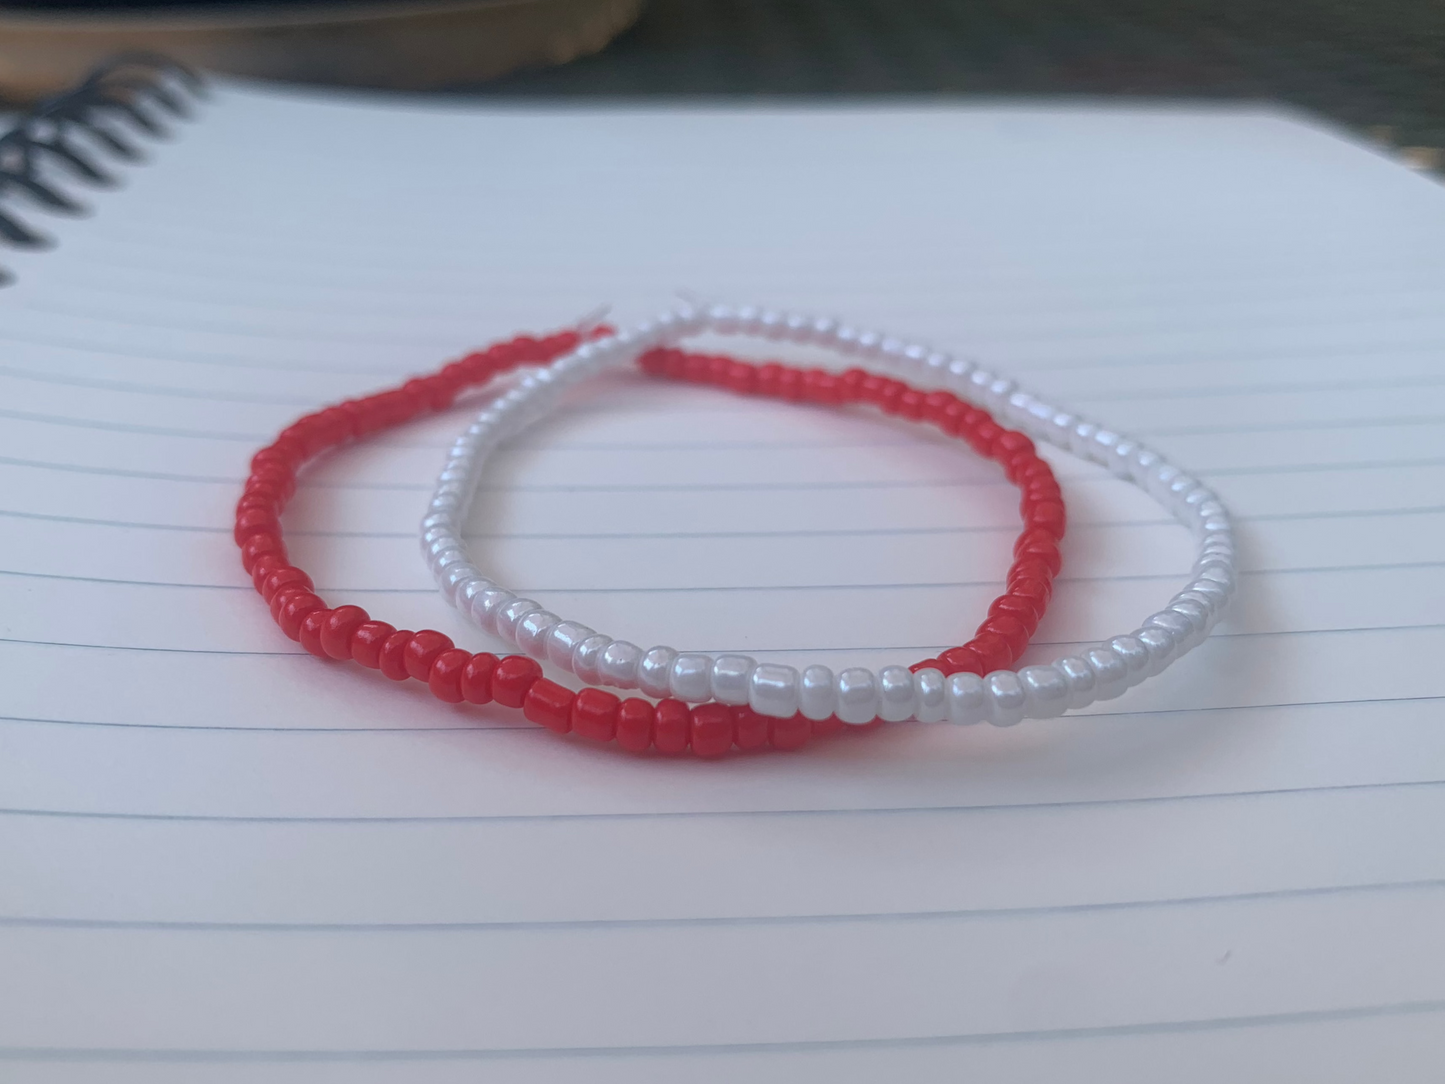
(736, 679)
(1001, 696)
(452, 674)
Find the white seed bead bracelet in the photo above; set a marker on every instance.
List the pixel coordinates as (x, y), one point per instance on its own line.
(856, 694)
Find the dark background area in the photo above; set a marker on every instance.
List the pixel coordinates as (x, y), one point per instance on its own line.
(1366, 64)
(1370, 64)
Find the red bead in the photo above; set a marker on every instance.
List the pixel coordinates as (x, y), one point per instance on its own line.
(671, 728)
(790, 384)
(821, 386)
(634, 725)
(294, 610)
(711, 730)
(257, 546)
(965, 660)
(1031, 536)
(1048, 553)
(274, 455)
(892, 394)
(936, 404)
(986, 433)
(512, 677)
(910, 404)
(872, 388)
(255, 521)
(851, 385)
(284, 577)
(1024, 610)
(390, 660)
(279, 599)
(422, 651)
(266, 564)
(445, 677)
(366, 643)
(594, 715)
(1043, 489)
(741, 378)
(1012, 631)
(750, 730)
(718, 367)
(339, 628)
(310, 632)
(476, 680)
(992, 650)
(767, 379)
(969, 429)
(1031, 568)
(1037, 592)
(696, 368)
(1009, 443)
(790, 733)
(952, 419)
(1016, 463)
(1048, 515)
(549, 704)
(926, 664)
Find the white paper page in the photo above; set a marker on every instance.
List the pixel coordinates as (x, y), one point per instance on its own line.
(225, 860)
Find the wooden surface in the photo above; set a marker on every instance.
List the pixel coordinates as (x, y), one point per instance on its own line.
(420, 44)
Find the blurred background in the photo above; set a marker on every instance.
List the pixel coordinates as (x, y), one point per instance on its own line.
(1377, 67)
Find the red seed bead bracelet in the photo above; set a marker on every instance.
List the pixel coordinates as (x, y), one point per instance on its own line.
(515, 681)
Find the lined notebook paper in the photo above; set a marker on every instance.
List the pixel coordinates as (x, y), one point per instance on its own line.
(224, 860)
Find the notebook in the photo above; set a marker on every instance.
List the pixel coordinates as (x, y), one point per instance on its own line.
(225, 860)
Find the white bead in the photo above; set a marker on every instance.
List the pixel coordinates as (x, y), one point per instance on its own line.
(454, 579)
(691, 678)
(1181, 627)
(1006, 698)
(1081, 439)
(484, 606)
(959, 370)
(722, 318)
(562, 641)
(510, 615)
(1111, 676)
(468, 592)
(446, 544)
(895, 694)
(532, 632)
(587, 658)
(618, 664)
(1133, 654)
(1161, 645)
(967, 699)
(798, 328)
(773, 690)
(770, 325)
(930, 703)
(654, 672)
(1046, 692)
(730, 678)
(817, 693)
(1080, 678)
(857, 695)
(1142, 462)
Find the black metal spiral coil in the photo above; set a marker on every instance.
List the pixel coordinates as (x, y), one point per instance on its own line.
(126, 96)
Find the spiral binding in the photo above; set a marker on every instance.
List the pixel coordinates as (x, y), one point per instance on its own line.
(131, 88)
